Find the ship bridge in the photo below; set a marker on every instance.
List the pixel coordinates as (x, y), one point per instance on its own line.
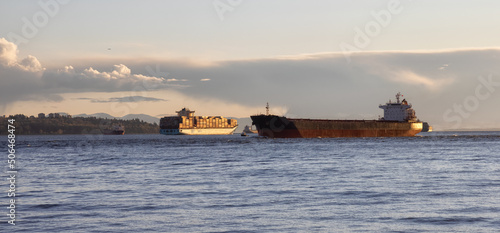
(185, 112)
(399, 111)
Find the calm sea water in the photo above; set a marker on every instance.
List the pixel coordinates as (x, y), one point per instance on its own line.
(438, 182)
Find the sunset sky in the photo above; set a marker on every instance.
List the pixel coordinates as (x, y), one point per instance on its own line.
(314, 59)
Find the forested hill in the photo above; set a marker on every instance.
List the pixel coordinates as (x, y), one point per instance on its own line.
(73, 125)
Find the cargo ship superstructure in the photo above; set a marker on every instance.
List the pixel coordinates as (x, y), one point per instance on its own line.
(185, 123)
(399, 121)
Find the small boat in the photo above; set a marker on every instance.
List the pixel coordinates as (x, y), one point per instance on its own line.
(115, 130)
(249, 130)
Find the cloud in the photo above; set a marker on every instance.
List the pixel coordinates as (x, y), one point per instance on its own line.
(31, 64)
(27, 79)
(126, 99)
(8, 52)
(443, 67)
(176, 80)
(205, 79)
(89, 79)
(18, 78)
(9, 60)
(410, 77)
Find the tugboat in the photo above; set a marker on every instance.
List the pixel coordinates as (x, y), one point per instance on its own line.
(115, 130)
(248, 130)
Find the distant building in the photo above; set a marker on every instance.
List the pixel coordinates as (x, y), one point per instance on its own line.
(41, 115)
(51, 115)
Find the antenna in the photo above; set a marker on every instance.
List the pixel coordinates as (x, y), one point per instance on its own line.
(267, 108)
(397, 96)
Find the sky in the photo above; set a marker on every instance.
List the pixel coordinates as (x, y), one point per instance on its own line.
(308, 59)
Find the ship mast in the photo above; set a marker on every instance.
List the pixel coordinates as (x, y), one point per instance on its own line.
(267, 108)
(397, 96)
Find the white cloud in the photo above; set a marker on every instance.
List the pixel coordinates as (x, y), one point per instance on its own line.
(412, 78)
(205, 79)
(176, 80)
(443, 67)
(8, 52)
(29, 80)
(89, 79)
(18, 79)
(8, 58)
(31, 64)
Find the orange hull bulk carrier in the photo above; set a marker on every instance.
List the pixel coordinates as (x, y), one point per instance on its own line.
(399, 121)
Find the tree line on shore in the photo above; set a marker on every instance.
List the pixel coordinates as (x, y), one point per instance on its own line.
(73, 125)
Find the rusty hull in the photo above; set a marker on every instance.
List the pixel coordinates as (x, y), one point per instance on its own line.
(281, 127)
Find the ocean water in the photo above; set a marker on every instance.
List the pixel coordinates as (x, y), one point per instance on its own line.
(436, 182)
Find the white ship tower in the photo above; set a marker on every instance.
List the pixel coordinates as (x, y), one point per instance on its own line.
(399, 111)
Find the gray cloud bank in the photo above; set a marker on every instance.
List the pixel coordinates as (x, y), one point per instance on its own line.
(450, 89)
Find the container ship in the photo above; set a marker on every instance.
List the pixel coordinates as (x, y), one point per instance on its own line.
(399, 121)
(185, 123)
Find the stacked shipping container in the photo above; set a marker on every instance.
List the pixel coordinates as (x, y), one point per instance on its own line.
(184, 122)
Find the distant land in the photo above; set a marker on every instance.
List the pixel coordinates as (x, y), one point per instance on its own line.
(56, 123)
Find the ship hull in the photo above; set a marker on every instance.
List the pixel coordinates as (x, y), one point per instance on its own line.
(114, 132)
(199, 131)
(282, 127)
